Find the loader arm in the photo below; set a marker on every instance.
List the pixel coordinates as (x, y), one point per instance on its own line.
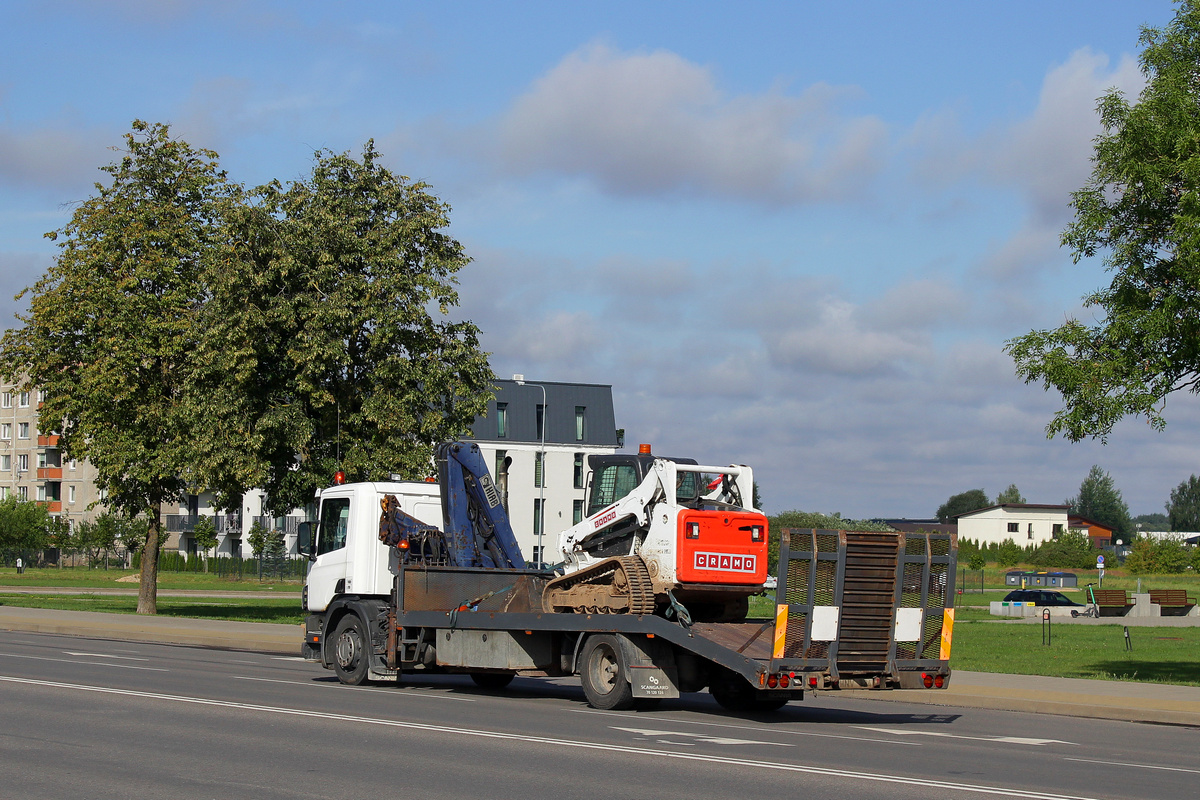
(477, 528)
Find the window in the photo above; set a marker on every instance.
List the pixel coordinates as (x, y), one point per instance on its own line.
(577, 512)
(6, 430)
(42, 461)
(537, 555)
(5, 462)
(41, 395)
(70, 494)
(541, 423)
(23, 462)
(23, 400)
(500, 468)
(23, 492)
(1014, 527)
(538, 471)
(578, 471)
(1057, 530)
(5, 492)
(501, 420)
(22, 430)
(611, 484)
(537, 517)
(6, 400)
(41, 492)
(71, 464)
(580, 424)
(1031, 530)
(335, 520)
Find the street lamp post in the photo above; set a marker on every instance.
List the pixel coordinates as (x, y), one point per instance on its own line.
(541, 520)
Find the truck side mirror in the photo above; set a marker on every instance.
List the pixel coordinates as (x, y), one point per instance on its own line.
(304, 540)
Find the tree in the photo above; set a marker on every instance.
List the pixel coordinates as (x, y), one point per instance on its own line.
(977, 561)
(1141, 210)
(1010, 495)
(961, 503)
(23, 524)
(1152, 522)
(114, 324)
(1009, 554)
(1183, 511)
(1071, 550)
(60, 536)
(337, 316)
(205, 534)
(1100, 500)
(96, 537)
(257, 539)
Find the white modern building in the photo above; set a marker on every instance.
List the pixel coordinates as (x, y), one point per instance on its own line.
(1024, 523)
(565, 422)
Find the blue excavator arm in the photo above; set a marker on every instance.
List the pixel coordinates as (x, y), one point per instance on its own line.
(477, 530)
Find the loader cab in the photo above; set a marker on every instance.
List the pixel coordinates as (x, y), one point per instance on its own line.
(615, 476)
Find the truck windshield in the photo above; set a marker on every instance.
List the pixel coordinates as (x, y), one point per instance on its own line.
(335, 520)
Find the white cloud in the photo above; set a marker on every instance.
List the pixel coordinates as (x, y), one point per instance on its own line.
(655, 123)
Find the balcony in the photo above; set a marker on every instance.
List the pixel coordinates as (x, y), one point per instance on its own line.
(49, 473)
(53, 506)
(48, 441)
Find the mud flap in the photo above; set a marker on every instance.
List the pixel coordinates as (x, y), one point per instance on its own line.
(651, 663)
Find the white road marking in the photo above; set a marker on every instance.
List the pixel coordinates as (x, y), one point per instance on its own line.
(780, 731)
(89, 663)
(653, 754)
(1123, 764)
(288, 658)
(105, 655)
(700, 737)
(995, 739)
(321, 685)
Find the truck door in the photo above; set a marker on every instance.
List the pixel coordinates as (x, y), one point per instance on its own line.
(330, 574)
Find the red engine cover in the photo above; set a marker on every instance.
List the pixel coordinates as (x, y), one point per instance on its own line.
(724, 551)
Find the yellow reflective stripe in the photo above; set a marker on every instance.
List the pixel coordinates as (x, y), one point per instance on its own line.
(781, 620)
(947, 633)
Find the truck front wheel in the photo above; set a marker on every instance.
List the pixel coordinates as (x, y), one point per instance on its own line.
(604, 675)
(350, 656)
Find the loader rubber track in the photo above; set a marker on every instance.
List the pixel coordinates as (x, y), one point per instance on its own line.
(620, 585)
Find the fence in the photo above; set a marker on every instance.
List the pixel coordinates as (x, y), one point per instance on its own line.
(235, 567)
(970, 581)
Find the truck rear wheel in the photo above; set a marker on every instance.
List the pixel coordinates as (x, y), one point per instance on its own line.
(604, 675)
(350, 657)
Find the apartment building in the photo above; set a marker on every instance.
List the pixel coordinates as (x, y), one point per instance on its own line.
(32, 466)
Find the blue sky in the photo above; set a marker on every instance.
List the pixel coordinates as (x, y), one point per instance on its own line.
(791, 235)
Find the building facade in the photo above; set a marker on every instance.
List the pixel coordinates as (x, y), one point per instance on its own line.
(1024, 523)
(32, 467)
(539, 435)
(535, 436)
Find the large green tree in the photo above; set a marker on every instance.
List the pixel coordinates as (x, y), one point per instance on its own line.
(113, 325)
(336, 315)
(961, 503)
(1183, 510)
(1141, 210)
(1100, 500)
(1010, 495)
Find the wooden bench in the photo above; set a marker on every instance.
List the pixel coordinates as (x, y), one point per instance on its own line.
(1111, 602)
(1176, 600)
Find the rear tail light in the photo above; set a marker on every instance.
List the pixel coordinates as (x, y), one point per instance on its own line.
(812, 681)
(783, 681)
(927, 679)
(756, 533)
(693, 530)
(939, 681)
(772, 681)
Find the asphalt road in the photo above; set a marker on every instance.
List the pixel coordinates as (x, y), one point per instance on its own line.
(86, 718)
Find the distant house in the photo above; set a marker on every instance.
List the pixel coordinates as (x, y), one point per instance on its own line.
(1100, 535)
(914, 525)
(1024, 523)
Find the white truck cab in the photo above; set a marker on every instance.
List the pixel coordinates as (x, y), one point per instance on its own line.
(347, 556)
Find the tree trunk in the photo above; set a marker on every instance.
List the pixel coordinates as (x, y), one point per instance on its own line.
(148, 588)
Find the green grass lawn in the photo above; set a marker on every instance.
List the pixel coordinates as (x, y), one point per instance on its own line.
(241, 609)
(1159, 655)
(84, 578)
